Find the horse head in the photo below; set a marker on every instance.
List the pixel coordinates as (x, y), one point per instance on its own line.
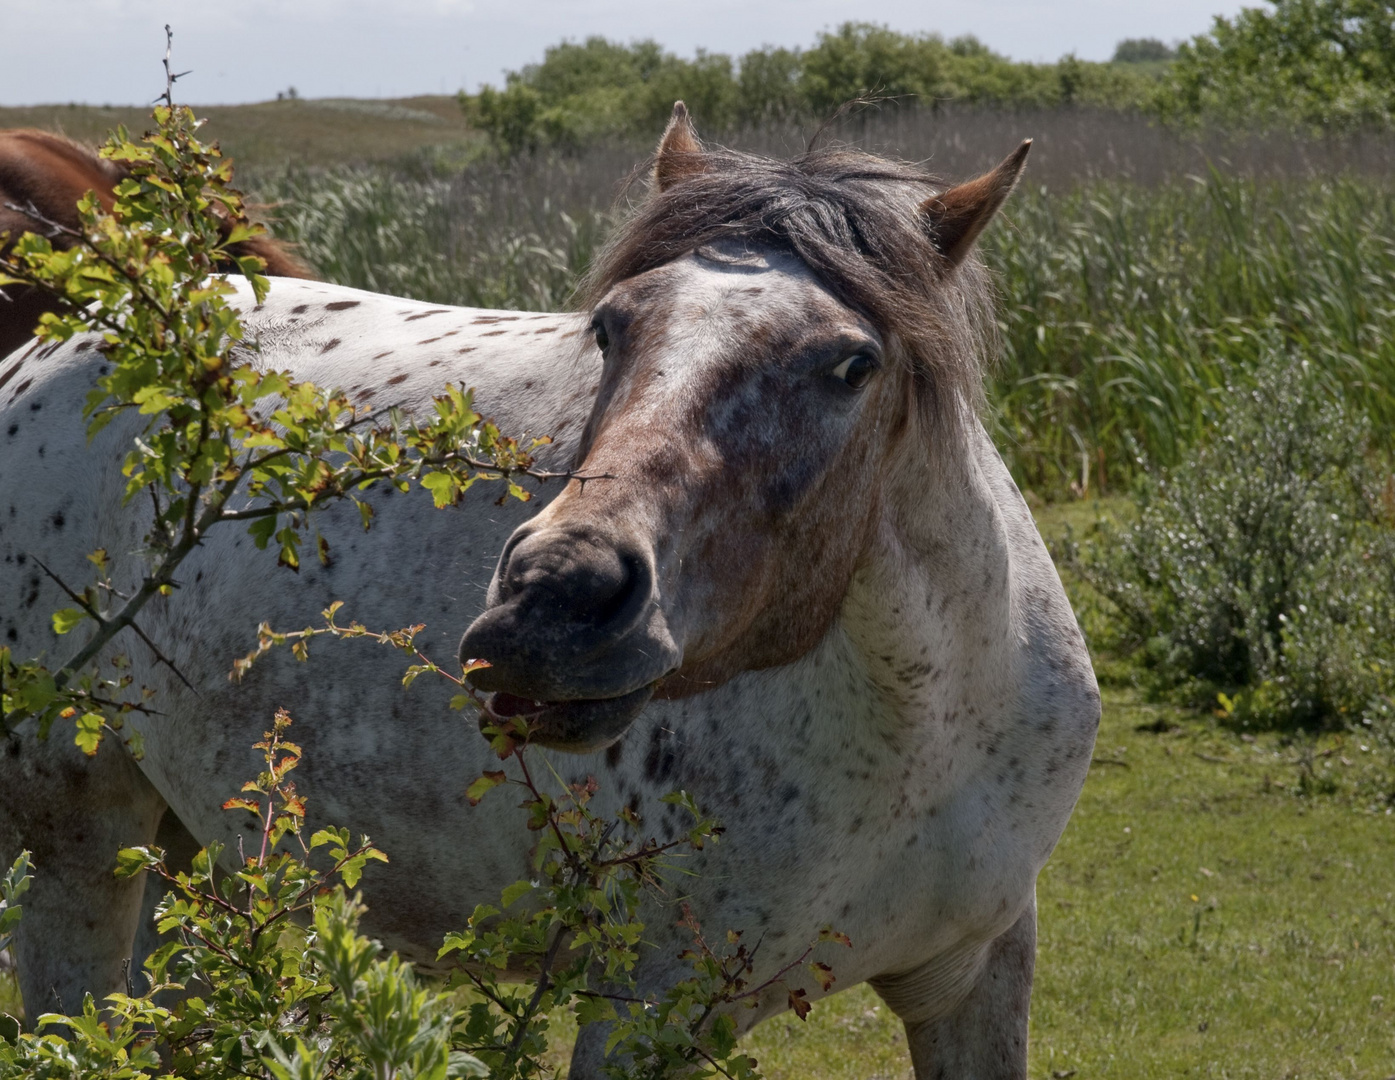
(778, 338)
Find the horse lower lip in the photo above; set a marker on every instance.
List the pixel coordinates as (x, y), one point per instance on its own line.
(580, 726)
(504, 705)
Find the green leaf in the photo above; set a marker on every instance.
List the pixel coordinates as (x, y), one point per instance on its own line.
(65, 620)
(443, 487)
(262, 530)
(484, 784)
(89, 732)
(513, 892)
(352, 869)
(131, 861)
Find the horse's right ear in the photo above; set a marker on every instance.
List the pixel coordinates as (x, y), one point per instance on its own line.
(957, 216)
(680, 155)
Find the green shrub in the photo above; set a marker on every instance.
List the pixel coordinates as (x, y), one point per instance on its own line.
(1142, 51)
(273, 981)
(1263, 565)
(1322, 63)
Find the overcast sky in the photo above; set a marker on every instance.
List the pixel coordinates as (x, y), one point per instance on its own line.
(107, 51)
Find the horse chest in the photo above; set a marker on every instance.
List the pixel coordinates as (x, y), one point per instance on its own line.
(827, 823)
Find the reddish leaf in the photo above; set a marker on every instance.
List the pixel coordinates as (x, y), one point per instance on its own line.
(482, 786)
(799, 1002)
(243, 804)
(830, 934)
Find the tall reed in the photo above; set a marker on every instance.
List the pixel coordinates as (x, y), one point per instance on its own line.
(1126, 310)
(1127, 303)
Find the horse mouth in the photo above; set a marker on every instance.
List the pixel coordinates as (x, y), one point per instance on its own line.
(580, 726)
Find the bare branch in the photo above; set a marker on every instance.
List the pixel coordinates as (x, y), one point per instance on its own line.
(170, 79)
(74, 597)
(161, 657)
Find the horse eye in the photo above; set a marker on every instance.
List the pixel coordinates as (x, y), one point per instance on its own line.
(857, 370)
(602, 338)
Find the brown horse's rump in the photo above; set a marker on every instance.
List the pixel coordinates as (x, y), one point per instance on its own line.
(53, 173)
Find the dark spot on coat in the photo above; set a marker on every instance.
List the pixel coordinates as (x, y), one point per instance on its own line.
(332, 343)
(342, 305)
(300, 309)
(383, 354)
(58, 519)
(546, 330)
(424, 314)
(428, 341)
(468, 348)
(396, 379)
(25, 385)
(493, 333)
(614, 753)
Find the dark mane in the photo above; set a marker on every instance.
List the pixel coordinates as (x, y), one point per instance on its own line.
(853, 219)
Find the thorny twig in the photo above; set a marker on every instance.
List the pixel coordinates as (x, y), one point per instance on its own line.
(170, 79)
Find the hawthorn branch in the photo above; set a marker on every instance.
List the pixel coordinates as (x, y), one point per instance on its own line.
(170, 78)
(57, 228)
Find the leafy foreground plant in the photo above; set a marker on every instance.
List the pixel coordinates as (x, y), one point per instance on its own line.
(1264, 566)
(212, 424)
(277, 982)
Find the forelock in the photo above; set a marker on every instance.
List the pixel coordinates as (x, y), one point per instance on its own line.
(854, 220)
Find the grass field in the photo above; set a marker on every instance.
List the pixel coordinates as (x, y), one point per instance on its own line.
(327, 132)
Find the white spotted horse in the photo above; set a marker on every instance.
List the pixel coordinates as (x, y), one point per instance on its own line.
(811, 596)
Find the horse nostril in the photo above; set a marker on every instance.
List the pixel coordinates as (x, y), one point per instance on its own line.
(577, 579)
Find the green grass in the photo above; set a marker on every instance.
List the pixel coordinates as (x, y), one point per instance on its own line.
(1129, 313)
(1134, 297)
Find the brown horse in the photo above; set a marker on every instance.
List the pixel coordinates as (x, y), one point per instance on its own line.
(52, 173)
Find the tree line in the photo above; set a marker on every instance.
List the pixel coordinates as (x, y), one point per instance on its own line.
(1314, 63)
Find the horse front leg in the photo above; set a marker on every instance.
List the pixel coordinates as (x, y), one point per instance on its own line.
(74, 814)
(966, 1015)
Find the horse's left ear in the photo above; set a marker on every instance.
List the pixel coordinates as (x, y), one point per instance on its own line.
(957, 216)
(680, 155)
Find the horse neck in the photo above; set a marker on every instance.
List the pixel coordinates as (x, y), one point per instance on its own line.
(930, 616)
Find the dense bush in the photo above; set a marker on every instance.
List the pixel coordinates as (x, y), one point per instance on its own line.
(1142, 51)
(1263, 565)
(579, 92)
(1323, 63)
